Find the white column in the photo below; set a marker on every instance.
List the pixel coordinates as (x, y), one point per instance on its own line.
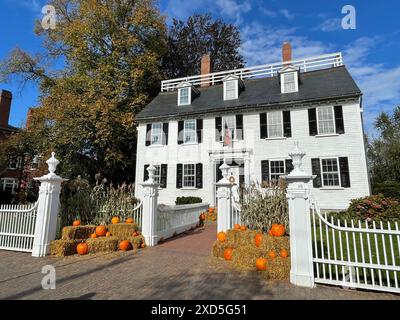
(247, 169)
(47, 212)
(298, 193)
(224, 194)
(150, 202)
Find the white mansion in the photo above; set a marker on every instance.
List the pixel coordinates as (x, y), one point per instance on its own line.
(251, 117)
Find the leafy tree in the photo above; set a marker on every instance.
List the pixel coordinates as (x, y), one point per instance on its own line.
(199, 35)
(110, 52)
(384, 151)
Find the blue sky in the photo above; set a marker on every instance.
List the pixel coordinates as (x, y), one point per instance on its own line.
(371, 51)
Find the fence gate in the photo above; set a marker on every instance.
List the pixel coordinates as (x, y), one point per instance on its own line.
(17, 227)
(355, 254)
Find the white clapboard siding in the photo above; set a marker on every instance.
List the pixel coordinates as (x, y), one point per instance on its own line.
(367, 257)
(17, 227)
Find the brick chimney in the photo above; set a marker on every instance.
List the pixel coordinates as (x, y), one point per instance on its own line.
(286, 52)
(205, 68)
(5, 106)
(29, 118)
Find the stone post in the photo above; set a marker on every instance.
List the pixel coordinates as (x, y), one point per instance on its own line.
(298, 193)
(47, 212)
(150, 197)
(224, 195)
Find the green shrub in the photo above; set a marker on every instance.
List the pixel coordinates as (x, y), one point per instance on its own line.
(187, 200)
(389, 189)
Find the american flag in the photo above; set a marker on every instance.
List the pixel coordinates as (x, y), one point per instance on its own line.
(227, 136)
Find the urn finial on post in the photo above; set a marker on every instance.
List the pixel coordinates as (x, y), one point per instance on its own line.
(297, 157)
(52, 163)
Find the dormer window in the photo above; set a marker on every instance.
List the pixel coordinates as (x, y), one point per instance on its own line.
(289, 78)
(186, 93)
(184, 96)
(232, 86)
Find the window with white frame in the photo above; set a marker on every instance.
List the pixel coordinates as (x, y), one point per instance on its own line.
(184, 96)
(326, 120)
(35, 162)
(277, 169)
(275, 124)
(289, 82)
(157, 174)
(189, 131)
(8, 184)
(330, 172)
(14, 163)
(189, 175)
(229, 123)
(156, 133)
(231, 88)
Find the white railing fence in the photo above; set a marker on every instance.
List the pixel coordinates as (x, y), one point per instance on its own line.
(17, 226)
(136, 213)
(268, 70)
(235, 213)
(355, 254)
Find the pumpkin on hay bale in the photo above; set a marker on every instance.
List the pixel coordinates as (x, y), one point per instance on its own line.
(136, 241)
(122, 230)
(278, 269)
(77, 233)
(102, 244)
(62, 248)
(245, 257)
(218, 248)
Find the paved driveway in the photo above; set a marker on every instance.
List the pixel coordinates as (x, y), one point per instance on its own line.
(178, 269)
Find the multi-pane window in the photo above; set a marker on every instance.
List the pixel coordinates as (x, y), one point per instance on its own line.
(330, 172)
(156, 133)
(275, 124)
(190, 131)
(157, 174)
(35, 162)
(277, 169)
(183, 96)
(189, 175)
(230, 90)
(8, 184)
(14, 163)
(326, 120)
(289, 82)
(229, 123)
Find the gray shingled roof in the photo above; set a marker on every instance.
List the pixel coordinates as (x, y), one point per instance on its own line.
(317, 85)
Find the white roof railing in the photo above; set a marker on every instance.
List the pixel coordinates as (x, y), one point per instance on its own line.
(332, 60)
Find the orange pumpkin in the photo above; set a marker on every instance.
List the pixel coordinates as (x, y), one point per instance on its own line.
(82, 248)
(101, 231)
(143, 245)
(129, 220)
(134, 234)
(76, 223)
(272, 254)
(284, 253)
(228, 252)
(278, 230)
(124, 245)
(93, 235)
(108, 234)
(202, 217)
(258, 239)
(261, 264)
(270, 233)
(211, 210)
(221, 236)
(115, 220)
(243, 228)
(236, 226)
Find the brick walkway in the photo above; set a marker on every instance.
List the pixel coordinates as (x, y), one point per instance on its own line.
(181, 268)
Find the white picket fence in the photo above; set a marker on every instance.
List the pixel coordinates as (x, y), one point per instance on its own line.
(235, 213)
(354, 254)
(178, 219)
(136, 213)
(17, 227)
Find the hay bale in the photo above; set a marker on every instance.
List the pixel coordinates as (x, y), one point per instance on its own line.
(135, 241)
(102, 244)
(278, 269)
(241, 238)
(244, 257)
(219, 247)
(62, 248)
(122, 230)
(77, 233)
(275, 243)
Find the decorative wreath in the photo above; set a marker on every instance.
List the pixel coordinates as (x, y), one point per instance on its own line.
(232, 179)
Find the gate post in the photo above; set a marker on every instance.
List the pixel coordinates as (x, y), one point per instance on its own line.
(224, 195)
(47, 211)
(298, 193)
(150, 197)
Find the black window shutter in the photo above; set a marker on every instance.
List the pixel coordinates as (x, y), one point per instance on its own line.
(287, 126)
(218, 129)
(316, 170)
(199, 129)
(264, 171)
(289, 165)
(239, 126)
(344, 172)
(148, 134)
(146, 173)
(199, 175)
(339, 119)
(179, 174)
(312, 121)
(164, 174)
(180, 132)
(218, 173)
(263, 126)
(165, 134)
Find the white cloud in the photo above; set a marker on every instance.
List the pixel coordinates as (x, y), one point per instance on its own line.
(34, 5)
(332, 24)
(268, 13)
(287, 14)
(234, 9)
